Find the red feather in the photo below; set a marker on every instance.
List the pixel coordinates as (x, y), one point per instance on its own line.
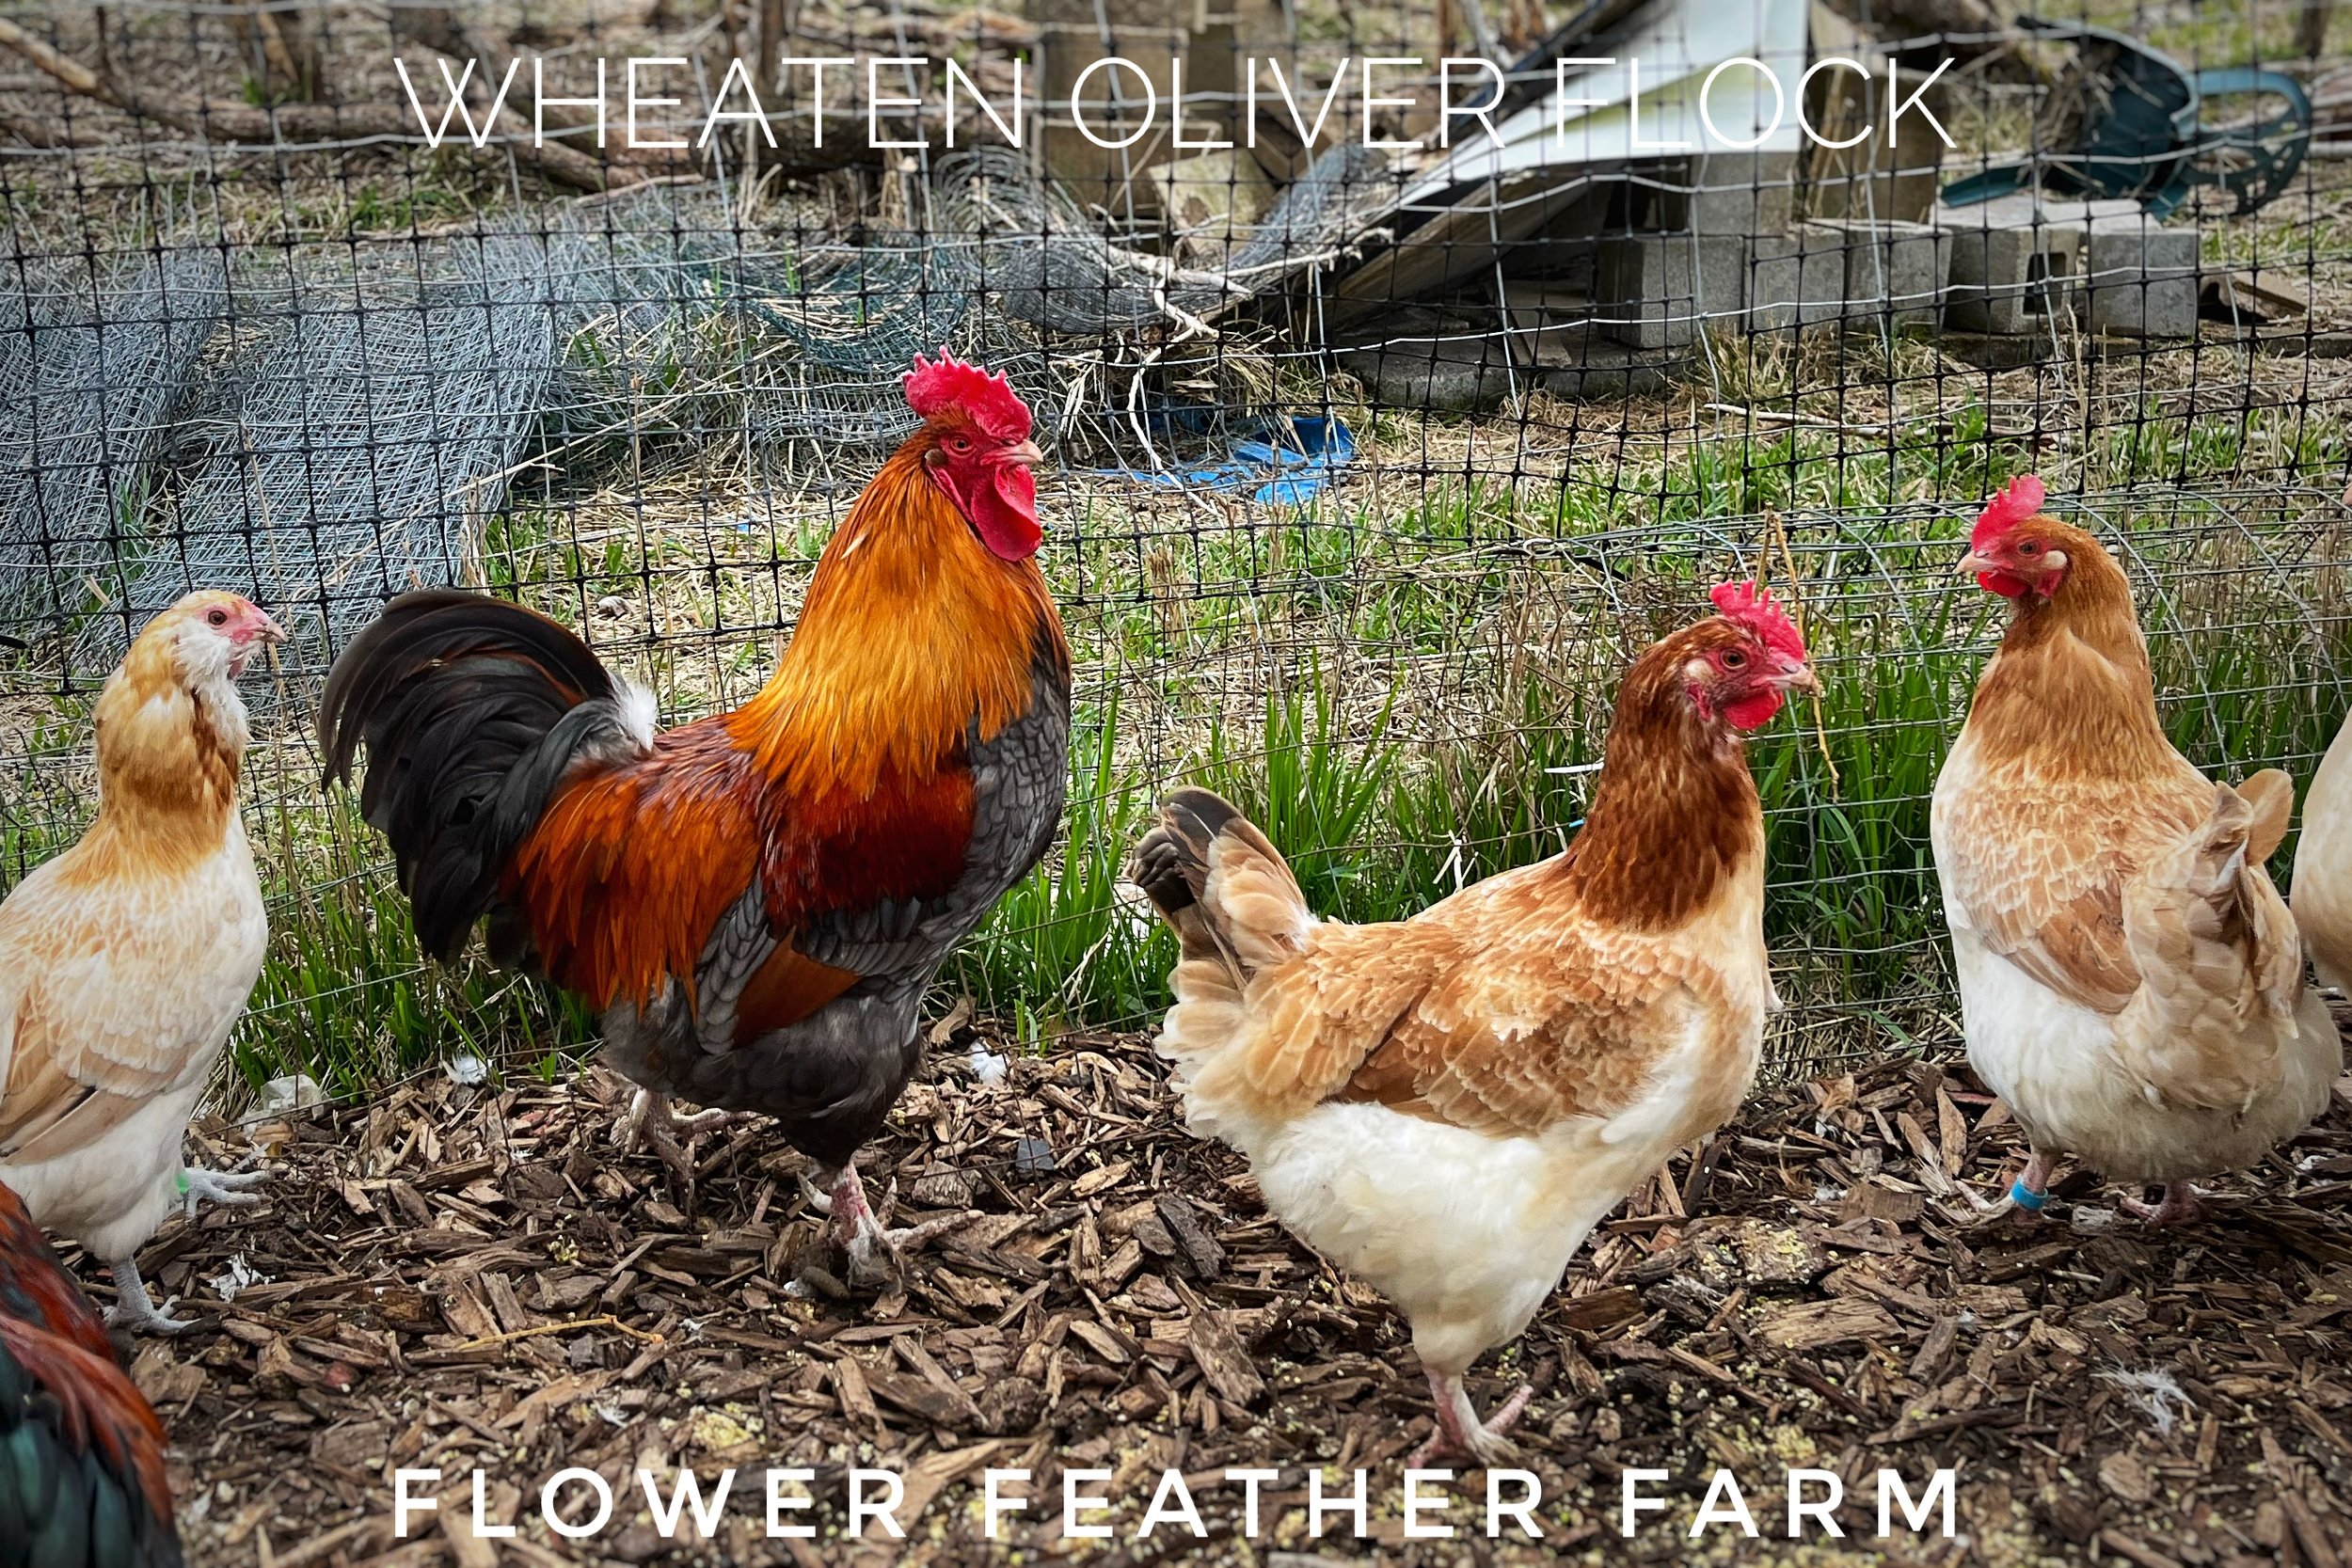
(51, 1331)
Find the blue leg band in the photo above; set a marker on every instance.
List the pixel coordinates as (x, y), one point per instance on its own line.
(2026, 1198)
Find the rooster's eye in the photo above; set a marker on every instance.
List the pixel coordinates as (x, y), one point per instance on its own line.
(218, 617)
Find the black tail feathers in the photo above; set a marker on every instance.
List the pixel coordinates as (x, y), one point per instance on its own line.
(472, 709)
(1172, 861)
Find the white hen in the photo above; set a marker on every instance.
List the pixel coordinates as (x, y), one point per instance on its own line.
(125, 961)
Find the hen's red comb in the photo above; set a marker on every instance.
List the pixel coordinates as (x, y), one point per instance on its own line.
(935, 386)
(1752, 606)
(2021, 499)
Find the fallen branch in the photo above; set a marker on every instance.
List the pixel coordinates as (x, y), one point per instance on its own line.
(210, 119)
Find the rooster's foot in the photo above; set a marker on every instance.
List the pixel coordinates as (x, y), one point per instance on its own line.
(652, 1125)
(135, 1310)
(1460, 1434)
(860, 1231)
(2179, 1206)
(197, 1184)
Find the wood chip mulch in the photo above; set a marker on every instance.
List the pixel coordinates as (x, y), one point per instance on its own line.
(459, 1277)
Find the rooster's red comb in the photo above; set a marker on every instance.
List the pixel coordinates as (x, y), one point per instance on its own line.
(1752, 606)
(935, 386)
(2021, 499)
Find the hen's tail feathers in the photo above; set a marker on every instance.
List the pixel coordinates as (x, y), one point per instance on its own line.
(1221, 884)
(1236, 908)
(472, 711)
(2221, 964)
(2270, 794)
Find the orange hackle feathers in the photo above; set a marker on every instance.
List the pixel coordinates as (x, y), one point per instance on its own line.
(2021, 499)
(841, 777)
(1675, 814)
(169, 756)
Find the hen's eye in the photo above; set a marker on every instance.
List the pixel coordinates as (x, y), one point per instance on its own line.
(2030, 547)
(1734, 659)
(218, 617)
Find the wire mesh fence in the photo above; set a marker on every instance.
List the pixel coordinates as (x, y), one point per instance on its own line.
(1382, 434)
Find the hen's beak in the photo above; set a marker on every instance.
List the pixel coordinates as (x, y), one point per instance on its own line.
(271, 633)
(1797, 678)
(1971, 564)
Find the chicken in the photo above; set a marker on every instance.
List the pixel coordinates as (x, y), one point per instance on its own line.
(82, 1482)
(1447, 1106)
(2130, 984)
(125, 961)
(756, 901)
(2322, 899)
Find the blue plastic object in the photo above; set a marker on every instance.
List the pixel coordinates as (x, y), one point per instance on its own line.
(1287, 461)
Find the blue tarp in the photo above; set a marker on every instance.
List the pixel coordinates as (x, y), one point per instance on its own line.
(1289, 461)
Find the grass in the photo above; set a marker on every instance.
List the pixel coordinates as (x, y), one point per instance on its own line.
(1408, 697)
(1407, 682)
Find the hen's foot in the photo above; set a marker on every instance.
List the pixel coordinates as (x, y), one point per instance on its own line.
(233, 1188)
(858, 1232)
(2028, 1195)
(1460, 1434)
(2179, 1206)
(135, 1310)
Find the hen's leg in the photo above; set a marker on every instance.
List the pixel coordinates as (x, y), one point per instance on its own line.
(857, 1231)
(134, 1309)
(1459, 1430)
(2028, 1193)
(197, 1184)
(2179, 1206)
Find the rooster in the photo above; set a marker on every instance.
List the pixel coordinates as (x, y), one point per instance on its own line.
(1447, 1106)
(82, 1482)
(2130, 984)
(755, 901)
(2323, 867)
(125, 961)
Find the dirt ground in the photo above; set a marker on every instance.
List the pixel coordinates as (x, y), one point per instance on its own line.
(460, 1277)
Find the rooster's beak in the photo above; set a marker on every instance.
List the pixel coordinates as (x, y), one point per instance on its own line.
(1024, 452)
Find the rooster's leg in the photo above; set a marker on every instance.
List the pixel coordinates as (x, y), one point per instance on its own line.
(2179, 1206)
(858, 1231)
(134, 1309)
(1460, 1432)
(651, 1124)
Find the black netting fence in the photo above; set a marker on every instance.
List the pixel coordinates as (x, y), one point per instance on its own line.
(1380, 437)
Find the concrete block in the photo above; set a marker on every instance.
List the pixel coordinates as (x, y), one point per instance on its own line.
(1659, 290)
(1796, 279)
(1733, 195)
(1891, 272)
(2142, 278)
(2012, 266)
